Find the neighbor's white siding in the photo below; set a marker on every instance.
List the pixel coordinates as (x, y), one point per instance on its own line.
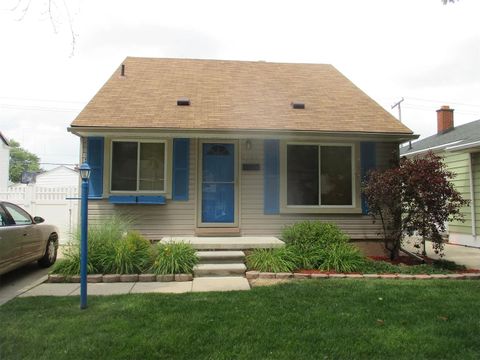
(4, 165)
(58, 177)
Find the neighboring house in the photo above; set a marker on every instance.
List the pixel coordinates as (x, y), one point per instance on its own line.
(4, 162)
(209, 147)
(61, 176)
(460, 148)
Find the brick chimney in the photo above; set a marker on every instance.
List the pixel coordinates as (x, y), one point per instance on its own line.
(444, 119)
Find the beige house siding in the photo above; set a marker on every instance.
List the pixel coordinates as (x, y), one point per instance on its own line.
(153, 221)
(255, 222)
(179, 217)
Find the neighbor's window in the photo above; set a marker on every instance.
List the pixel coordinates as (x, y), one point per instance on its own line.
(138, 166)
(319, 175)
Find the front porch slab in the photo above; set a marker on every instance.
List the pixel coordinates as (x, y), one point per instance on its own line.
(227, 243)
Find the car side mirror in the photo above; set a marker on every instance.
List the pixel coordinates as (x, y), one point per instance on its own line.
(38, 220)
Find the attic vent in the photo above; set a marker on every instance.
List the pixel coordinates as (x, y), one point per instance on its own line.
(122, 71)
(183, 101)
(298, 105)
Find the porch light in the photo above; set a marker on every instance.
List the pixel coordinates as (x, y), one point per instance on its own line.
(85, 171)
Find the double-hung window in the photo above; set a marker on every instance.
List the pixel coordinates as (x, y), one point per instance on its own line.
(138, 166)
(319, 175)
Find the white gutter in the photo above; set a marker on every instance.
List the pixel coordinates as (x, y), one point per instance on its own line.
(463, 146)
(438, 147)
(472, 195)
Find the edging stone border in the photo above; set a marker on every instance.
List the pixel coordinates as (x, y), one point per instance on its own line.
(252, 275)
(113, 278)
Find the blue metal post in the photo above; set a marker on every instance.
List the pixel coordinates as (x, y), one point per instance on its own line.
(83, 244)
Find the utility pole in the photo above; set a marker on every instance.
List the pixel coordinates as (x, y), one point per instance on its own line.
(399, 104)
(399, 108)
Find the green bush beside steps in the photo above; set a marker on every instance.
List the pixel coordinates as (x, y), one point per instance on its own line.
(115, 249)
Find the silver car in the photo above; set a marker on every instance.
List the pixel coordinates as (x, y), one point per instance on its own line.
(24, 239)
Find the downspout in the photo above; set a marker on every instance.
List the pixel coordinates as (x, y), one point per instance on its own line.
(472, 196)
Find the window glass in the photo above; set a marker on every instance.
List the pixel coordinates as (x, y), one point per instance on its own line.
(152, 167)
(336, 175)
(302, 175)
(19, 215)
(124, 166)
(3, 218)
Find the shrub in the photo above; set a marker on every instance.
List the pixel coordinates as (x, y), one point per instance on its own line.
(112, 248)
(307, 234)
(130, 254)
(272, 260)
(70, 264)
(309, 241)
(341, 257)
(174, 258)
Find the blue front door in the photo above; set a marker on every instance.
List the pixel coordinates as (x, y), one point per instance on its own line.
(218, 183)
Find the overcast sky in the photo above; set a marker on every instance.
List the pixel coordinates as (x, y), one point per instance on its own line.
(423, 51)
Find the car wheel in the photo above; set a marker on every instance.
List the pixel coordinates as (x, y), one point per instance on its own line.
(50, 255)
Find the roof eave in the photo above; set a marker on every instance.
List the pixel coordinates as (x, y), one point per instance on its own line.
(240, 133)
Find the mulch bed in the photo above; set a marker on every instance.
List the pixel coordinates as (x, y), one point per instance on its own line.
(401, 260)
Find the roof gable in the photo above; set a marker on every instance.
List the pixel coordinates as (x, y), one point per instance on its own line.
(234, 95)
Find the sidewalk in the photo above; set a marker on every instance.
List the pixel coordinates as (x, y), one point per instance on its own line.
(174, 287)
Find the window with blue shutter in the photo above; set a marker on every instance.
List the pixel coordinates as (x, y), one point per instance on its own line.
(271, 188)
(180, 169)
(95, 160)
(368, 162)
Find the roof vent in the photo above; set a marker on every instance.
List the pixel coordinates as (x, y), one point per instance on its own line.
(298, 105)
(183, 101)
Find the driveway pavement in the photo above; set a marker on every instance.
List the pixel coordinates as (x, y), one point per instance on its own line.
(463, 255)
(18, 281)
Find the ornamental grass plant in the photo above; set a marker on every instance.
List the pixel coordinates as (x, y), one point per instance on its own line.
(174, 258)
(273, 260)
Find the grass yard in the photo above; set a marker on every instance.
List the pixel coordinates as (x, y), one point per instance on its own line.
(313, 319)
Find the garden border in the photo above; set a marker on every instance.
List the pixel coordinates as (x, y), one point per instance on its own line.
(252, 275)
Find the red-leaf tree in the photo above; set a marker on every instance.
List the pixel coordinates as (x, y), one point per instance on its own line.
(414, 197)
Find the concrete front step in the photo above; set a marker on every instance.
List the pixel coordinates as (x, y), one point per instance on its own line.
(209, 270)
(221, 257)
(227, 243)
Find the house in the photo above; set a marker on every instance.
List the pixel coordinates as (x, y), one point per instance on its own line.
(460, 148)
(4, 162)
(60, 176)
(210, 147)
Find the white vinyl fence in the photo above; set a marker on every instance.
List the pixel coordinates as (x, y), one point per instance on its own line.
(57, 205)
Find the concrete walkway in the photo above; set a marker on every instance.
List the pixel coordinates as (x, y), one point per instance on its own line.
(462, 255)
(175, 287)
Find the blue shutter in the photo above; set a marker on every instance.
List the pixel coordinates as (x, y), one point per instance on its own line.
(180, 169)
(95, 160)
(368, 162)
(271, 184)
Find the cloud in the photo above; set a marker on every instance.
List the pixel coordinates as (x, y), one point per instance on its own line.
(460, 67)
(153, 40)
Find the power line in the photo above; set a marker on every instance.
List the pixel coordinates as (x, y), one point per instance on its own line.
(442, 101)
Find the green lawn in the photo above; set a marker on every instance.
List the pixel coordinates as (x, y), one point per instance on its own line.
(313, 319)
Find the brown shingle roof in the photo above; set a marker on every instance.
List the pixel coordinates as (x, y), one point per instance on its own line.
(234, 95)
